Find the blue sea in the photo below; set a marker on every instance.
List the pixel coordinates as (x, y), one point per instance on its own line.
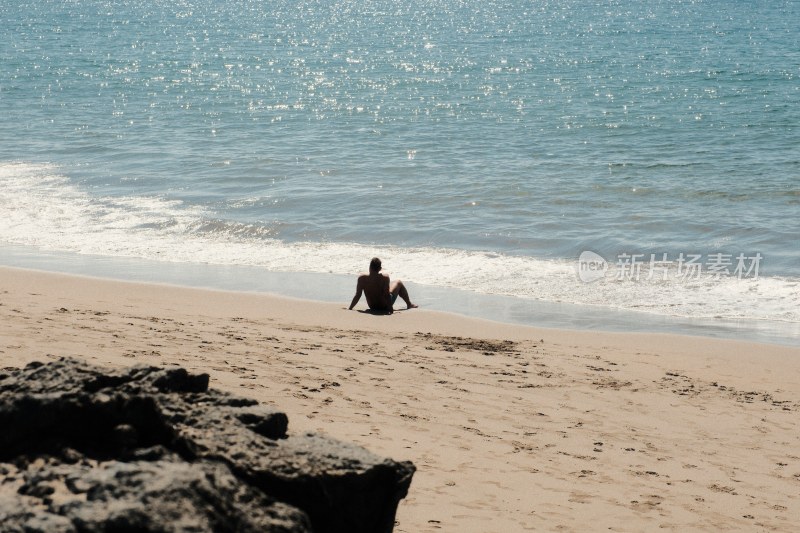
(636, 163)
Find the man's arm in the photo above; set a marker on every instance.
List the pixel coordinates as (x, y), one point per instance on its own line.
(359, 290)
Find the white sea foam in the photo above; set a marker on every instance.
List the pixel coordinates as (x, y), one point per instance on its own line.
(41, 207)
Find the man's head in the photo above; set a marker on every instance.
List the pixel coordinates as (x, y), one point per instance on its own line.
(375, 265)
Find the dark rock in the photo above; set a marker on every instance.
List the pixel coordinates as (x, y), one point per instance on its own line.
(179, 380)
(164, 495)
(150, 449)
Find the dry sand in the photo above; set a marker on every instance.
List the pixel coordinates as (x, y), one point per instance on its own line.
(511, 428)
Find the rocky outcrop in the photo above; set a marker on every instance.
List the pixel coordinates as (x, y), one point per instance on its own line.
(84, 449)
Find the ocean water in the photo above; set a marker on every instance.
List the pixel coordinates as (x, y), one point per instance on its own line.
(640, 157)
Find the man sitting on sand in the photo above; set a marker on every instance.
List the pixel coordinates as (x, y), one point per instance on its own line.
(380, 293)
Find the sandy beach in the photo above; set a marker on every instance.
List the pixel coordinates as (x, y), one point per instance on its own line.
(511, 428)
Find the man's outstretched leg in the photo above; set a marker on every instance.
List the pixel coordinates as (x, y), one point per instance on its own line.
(399, 289)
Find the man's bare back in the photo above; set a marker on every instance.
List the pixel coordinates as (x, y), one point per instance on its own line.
(380, 292)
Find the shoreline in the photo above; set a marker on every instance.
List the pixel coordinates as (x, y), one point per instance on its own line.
(337, 288)
(512, 428)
